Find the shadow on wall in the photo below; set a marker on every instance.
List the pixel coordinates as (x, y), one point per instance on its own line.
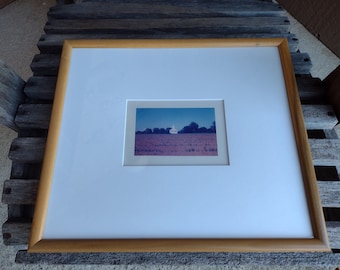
(4, 3)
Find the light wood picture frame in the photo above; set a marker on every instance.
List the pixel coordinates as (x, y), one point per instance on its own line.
(265, 199)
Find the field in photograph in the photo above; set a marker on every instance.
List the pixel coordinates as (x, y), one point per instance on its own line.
(197, 144)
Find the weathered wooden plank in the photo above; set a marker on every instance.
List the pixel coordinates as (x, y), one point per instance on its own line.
(331, 134)
(311, 259)
(19, 212)
(40, 88)
(23, 191)
(174, 25)
(191, 2)
(29, 150)
(68, 2)
(22, 170)
(45, 65)
(337, 129)
(32, 116)
(311, 89)
(325, 152)
(48, 64)
(333, 230)
(302, 63)
(329, 193)
(11, 95)
(165, 9)
(319, 116)
(38, 116)
(20, 191)
(51, 44)
(16, 232)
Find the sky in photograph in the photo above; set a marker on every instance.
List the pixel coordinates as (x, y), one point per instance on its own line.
(179, 117)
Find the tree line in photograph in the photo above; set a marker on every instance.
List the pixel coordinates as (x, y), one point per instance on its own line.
(193, 127)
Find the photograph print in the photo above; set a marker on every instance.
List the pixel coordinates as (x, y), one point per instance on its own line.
(175, 133)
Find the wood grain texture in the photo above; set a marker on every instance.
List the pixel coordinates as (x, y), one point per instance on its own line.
(161, 9)
(16, 232)
(319, 116)
(29, 150)
(11, 95)
(176, 245)
(50, 150)
(311, 90)
(303, 149)
(37, 116)
(331, 133)
(169, 25)
(31, 116)
(175, 2)
(40, 88)
(52, 43)
(18, 191)
(329, 193)
(22, 170)
(48, 64)
(45, 65)
(333, 229)
(301, 62)
(325, 151)
(23, 191)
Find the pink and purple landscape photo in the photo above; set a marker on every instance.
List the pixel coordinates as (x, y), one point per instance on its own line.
(175, 132)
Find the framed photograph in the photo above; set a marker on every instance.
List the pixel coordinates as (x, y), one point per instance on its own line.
(192, 145)
(177, 132)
